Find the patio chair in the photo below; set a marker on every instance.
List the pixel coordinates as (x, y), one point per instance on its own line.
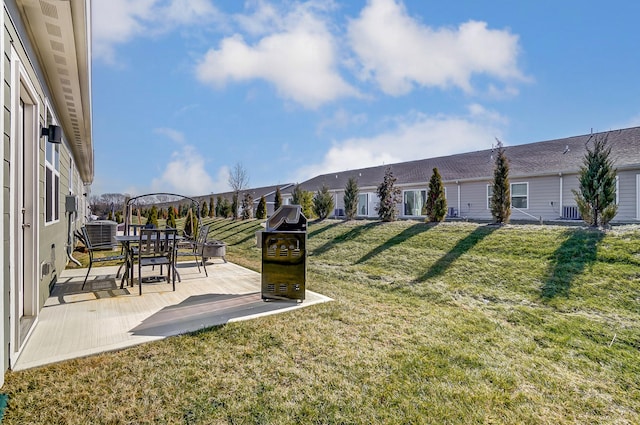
(196, 246)
(157, 248)
(91, 247)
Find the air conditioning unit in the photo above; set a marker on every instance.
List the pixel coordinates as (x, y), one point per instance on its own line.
(571, 213)
(102, 233)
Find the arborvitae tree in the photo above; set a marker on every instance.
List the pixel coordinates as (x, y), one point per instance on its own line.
(501, 197)
(596, 197)
(219, 207)
(234, 206)
(389, 196)
(297, 195)
(225, 208)
(211, 208)
(436, 207)
(261, 211)
(351, 198)
(110, 216)
(306, 202)
(153, 216)
(184, 209)
(277, 202)
(119, 216)
(323, 203)
(247, 206)
(189, 223)
(171, 218)
(204, 210)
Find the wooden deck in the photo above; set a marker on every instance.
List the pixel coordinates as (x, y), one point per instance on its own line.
(103, 317)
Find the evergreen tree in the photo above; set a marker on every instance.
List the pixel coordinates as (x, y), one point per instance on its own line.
(171, 217)
(261, 212)
(234, 206)
(501, 191)
(436, 207)
(219, 212)
(389, 197)
(323, 203)
(306, 202)
(351, 198)
(189, 224)
(297, 195)
(153, 216)
(225, 208)
(211, 209)
(204, 210)
(247, 206)
(596, 197)
(277, 203)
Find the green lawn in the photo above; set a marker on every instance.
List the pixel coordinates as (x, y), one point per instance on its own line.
(456, 323)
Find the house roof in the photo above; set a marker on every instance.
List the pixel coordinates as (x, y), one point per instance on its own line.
(256, 192)
(533, 159)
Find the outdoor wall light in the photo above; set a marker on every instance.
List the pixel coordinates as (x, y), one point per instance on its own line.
(53, 133)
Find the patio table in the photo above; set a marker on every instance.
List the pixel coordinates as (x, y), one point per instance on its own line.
(127, 242)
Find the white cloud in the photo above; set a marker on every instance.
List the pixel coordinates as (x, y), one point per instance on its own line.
(408, 53)
(186, 174)
(118, 21)
(299, 57)
(415, 136)
(172, 134)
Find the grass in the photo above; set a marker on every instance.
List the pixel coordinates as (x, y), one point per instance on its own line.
(454, 323)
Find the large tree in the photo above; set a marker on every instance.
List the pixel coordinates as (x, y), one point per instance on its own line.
(436, 207)
(596, 197)
(501, 191)
(238, 180)
(389, 197)
(351, 198)
(323, 203)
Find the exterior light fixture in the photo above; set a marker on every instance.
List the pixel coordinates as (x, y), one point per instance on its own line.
(53, 133)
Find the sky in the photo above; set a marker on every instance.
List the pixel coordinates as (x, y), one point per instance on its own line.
(185, 90)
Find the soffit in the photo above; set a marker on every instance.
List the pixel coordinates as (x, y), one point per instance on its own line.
(60, 33)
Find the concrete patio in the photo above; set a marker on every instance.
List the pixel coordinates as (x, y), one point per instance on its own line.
(102, 317)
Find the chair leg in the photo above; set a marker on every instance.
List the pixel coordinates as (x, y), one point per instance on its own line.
(204, 266)
(139, 278)
(85, 278)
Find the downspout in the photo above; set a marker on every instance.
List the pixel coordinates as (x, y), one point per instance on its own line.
(70, 240)
(459, 210)
(561, 190)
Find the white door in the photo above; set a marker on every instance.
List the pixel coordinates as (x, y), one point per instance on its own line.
(24, 262)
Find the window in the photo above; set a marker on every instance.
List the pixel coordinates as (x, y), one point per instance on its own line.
(519, 195)
(363, 204)
(52, 182)
(414, 202)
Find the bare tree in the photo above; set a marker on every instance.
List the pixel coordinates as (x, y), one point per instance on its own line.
(238, 178)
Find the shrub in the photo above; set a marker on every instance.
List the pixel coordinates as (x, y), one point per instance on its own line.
(323, 203)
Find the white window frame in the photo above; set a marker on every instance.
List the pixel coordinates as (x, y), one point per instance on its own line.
(404, 203)
(52, 188)
(490, 194)
(526, 196)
